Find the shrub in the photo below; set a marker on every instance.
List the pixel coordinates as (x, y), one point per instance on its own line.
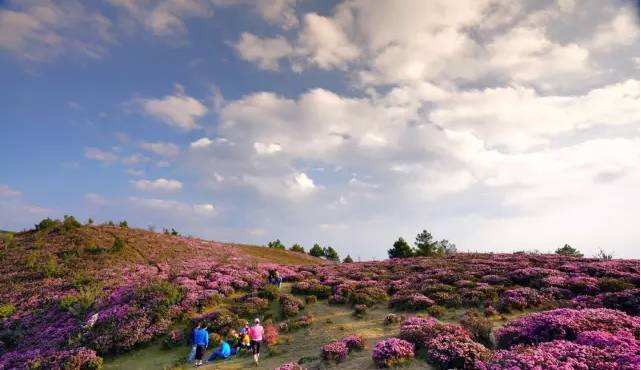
(310, 299)
(563, 324)
(118, 245)
(567, 250)
(367, 296)
(80, 303)
(334, 352)
(519, 298)
(410, 302)
(316, 251)
(450, 300)
(297, 248)
(46, 224)
(174, 339)
(479, 327)
(419, 330)
(311, 288)
(436, 311)
(270, 292)
(123, 224)
(271, 334)
(290, 305)
(391, 318)
(455, 352)
(354, 342)
(275, 244)
(70, 223)
(251, 306)
(302, 322)
(360, 310)
(392, 352)
(7, 310)
(626, 301)
(289, 366)
(613, 285)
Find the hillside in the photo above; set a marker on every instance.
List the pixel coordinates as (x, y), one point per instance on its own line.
(71, 295)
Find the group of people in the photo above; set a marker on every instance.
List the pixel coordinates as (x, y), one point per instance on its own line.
(247, 338)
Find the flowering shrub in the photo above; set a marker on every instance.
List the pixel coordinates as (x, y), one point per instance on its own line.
(270, 334)
(334, 352)
(290, 305)
(392, 352)
(449, 351)
(479, 327)
(311, 288)
(411, 302)
(302, 322)
(289, 366)
(564, 324)
(520, 299)
(367, 296)
(354, 342)
(360, 310)
(250, 306)
(175, 338)
(561, 354)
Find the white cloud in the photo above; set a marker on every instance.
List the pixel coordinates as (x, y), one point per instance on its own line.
(178, 110)
(100, 155)
(161, 148)
(265, 52)
(279, 12)
(621, 30)
(324, 43)
(165, 17)
(201, 143)
(159, 185)
(43, 30)
(267, 149)
(175, 207)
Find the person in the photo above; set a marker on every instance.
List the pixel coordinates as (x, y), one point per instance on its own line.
(277, 279)
(222, 352)
(202, 342)
(245, 341)
(256, 336)
(234, 341)
(192, 340)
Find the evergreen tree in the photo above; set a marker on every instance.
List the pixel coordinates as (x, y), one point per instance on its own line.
(426, 246)
(275, 244)
(316, 251)
(348, 259)
(330, 254)
(400, 249)
(297, 248)
(568, 250)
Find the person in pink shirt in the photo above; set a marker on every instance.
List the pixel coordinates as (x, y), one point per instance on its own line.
(256, 336)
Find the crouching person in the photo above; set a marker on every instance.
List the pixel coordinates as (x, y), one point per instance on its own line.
(222, 352)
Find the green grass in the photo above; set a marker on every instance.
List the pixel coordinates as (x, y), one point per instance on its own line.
(330, 323)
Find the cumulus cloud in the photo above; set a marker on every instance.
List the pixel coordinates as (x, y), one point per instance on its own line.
(175, 207)
(166, 17)
(44, 30)
(265, 52)
(161, 148)
(158, 185)
(178, 110)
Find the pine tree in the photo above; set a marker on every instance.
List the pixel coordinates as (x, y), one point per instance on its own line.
(400, 249)
(316, 251)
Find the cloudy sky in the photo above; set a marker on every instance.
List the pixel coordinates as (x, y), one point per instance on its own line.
(499, 125)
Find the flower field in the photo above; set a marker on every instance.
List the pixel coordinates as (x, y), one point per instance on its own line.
(565, 312)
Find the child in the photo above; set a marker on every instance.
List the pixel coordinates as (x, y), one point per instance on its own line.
(201, 339)
(256, 336)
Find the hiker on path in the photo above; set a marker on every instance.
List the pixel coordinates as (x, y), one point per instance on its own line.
(202, 342)
(192, 340)
(256, 336)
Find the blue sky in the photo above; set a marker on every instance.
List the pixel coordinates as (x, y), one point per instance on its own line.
(501, 126)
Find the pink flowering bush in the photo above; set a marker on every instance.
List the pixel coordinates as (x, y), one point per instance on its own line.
(334, 352)
(392, 352)
(354, 342)
(290, 305)
(289, 366)
(564, 324)
(449, 351)
(520, 299)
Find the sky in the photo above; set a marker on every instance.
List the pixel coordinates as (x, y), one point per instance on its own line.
(498, 125)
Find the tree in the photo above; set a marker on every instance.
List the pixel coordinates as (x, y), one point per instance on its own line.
(297, 248)
(348, 259)
(568, 250)
(446, 247)
(123, 224)
(316, 251)
(90, 221)
(603, 255)
(330, 254)
(426, 246)
(400, 249)
(275, 244)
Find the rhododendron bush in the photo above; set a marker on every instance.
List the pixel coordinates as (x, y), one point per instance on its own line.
(392, 352)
